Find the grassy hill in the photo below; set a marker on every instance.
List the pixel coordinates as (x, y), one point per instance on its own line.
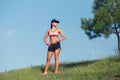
(104, 69)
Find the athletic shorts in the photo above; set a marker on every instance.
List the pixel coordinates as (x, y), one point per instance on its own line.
(54, 47)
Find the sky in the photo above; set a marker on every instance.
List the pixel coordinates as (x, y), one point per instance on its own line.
(23, 24)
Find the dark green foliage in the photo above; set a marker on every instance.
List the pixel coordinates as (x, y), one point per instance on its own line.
(106, 19)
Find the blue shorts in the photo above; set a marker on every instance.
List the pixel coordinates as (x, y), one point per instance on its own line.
(54, 47)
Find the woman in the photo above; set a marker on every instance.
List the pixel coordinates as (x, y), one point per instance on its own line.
(53, 45)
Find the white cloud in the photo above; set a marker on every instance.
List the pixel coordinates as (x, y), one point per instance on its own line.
(7, 33)
(10, 32)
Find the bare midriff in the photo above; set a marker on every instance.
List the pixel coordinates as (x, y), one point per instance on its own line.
(54, 39)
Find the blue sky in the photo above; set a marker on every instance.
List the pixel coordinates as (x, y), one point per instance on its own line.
(23, 24)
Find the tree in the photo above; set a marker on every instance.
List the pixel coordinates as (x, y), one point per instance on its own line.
(106, 20)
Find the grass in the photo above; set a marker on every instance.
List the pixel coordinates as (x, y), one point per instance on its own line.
(104, 69)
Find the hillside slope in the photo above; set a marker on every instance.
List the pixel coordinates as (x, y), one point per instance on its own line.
(104, 69)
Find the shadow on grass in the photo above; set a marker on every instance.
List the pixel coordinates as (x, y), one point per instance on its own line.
(65, 65)
(117, 77)
(75, 64)
(51, 68)
(38, 68)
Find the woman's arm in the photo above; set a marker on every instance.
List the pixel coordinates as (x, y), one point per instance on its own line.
(62, 34)
(45, 38)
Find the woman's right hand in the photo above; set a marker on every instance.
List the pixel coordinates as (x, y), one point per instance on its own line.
(48, 44)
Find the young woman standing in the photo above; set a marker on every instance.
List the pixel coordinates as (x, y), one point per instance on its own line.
(53, 45)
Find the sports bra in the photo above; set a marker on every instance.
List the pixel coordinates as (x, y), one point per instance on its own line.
(53, 33)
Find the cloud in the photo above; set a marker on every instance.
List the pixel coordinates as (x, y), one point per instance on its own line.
(10, 32)
(7, 33)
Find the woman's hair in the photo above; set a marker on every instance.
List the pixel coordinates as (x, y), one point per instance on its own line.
(51, 26)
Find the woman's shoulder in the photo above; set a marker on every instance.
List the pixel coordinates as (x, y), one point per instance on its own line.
(59, 29)
(48, 30)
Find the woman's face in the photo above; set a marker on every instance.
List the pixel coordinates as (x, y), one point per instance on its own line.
(54, 24)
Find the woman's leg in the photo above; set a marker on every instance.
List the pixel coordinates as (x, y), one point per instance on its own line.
(49, 55)
(56, 56)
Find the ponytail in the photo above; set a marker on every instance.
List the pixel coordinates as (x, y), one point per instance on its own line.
(51, 26)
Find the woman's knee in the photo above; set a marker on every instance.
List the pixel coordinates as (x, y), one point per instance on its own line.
(56, 57)
(48, 59)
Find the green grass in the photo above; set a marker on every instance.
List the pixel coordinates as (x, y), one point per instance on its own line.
(104, 69)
